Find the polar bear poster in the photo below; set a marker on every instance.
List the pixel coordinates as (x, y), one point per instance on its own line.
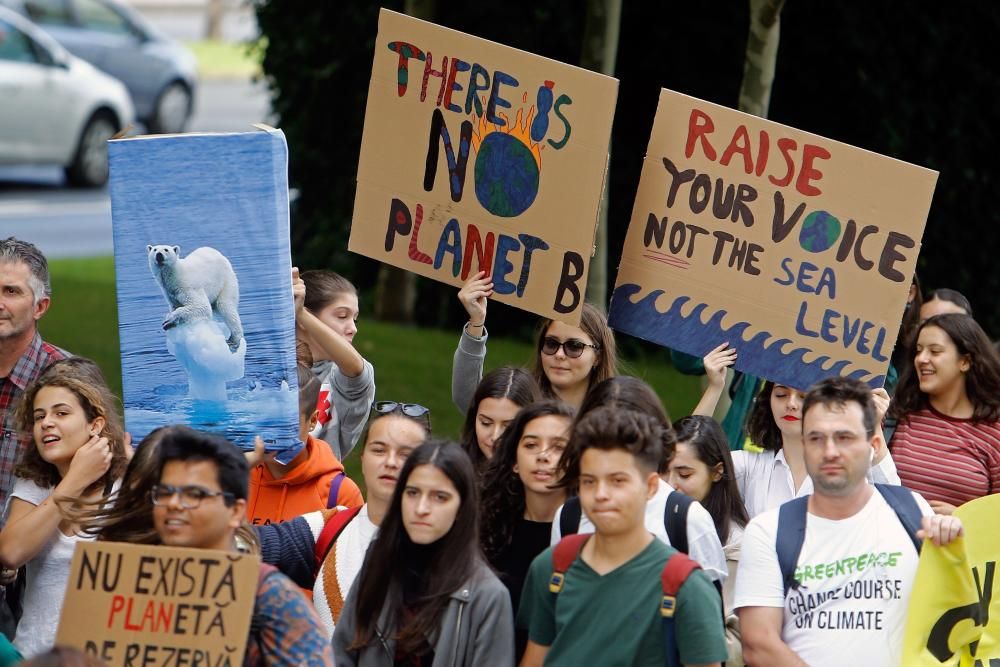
(203, 270)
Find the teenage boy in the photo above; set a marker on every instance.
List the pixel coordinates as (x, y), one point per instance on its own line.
(825, 579)
(199, 502)
(609, 606)
(313, 480)
(323, 553)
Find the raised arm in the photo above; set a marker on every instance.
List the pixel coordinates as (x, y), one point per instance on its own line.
(716, 362)
(330, 344)
(31, 527)
(467, 366)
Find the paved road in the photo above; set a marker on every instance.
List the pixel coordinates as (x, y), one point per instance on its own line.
(36, 206)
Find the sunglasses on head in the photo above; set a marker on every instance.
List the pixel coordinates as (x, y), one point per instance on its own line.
(572, 348)
(412, 410)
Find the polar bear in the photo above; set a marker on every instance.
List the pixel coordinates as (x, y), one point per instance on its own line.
(197, 286)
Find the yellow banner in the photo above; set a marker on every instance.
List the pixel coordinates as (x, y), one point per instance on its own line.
(954, 614)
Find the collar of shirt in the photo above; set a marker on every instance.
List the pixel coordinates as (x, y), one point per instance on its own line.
(25, 370)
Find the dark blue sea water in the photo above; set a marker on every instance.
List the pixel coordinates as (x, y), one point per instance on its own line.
(227, 192)
(763, 355)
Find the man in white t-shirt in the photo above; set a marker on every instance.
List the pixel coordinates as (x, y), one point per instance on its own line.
(853, 576)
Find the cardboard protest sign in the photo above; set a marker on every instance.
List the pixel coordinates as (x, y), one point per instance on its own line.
(476, 155)
(203, 272)
(796, 250)
(157, 606)
(954, 613)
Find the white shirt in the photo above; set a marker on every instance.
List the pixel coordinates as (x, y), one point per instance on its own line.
(350, 549)
(856, 575)
(765, 480)
(703, 542)
(47, 574)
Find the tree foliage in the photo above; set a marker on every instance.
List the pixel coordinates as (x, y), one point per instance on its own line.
(919, 84)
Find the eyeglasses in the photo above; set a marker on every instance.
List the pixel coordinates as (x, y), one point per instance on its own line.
(572, 348)
(191, 496)
(411, 410)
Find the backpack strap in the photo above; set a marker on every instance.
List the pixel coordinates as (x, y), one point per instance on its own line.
(331, 531)
(563, 555)
(791, 536)
(569, 518)
(335, 483)
(675, 572)
(901, 500)
(675, 514)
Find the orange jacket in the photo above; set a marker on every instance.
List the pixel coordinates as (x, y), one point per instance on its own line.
(304, 488)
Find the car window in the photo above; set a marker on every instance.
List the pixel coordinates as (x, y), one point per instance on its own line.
(98, 16)
(14, 44)
(49, 12)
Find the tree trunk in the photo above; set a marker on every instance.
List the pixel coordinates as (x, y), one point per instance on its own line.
(600, 48)
(213, 19)
(396, 289)
(761, 56)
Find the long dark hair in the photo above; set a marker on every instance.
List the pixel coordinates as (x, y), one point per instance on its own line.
(982, 381)
(451, 562)
(515, 384)
(709, 443)
(503, 491)
(631, 393)
(594, 324)
(761, 427)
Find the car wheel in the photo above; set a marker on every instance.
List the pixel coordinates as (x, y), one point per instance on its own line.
(90, 164)
(173, 108)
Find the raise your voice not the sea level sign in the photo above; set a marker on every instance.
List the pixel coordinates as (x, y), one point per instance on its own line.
(479, 156)
(796, 250)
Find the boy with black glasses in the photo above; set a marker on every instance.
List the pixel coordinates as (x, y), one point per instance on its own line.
(199, 503)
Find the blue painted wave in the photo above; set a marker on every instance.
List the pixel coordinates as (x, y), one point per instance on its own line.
(762, 355)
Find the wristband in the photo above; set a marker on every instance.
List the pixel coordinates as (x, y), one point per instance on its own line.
(473, 324)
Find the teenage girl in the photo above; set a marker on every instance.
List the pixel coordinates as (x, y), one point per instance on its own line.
(702, 468)
(425, 594)
(326, 319)
(569, 360)
(498, 398)
(78, 454)
(947, 442)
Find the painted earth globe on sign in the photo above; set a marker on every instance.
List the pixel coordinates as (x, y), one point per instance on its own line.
(819, 232)
(506, 175)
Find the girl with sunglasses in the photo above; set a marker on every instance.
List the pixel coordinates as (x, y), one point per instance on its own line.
(425, 595)
(569, 360)
(326, 320)
(78, 453)
(498, 398)
(322, 551)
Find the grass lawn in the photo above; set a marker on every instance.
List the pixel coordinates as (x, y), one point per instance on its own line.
(224, 60)
(411, 365)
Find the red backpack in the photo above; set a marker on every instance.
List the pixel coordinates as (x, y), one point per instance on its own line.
(675, 572)
(332, 529)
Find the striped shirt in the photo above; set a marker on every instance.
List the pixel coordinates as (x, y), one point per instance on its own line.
(947, 459)
(27, 369)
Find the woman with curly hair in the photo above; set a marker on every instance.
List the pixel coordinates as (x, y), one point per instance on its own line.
(78, 453)
(520, 496)
(947, 442)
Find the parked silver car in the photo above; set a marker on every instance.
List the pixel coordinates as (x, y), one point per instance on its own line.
(54, 107)
(159, 72)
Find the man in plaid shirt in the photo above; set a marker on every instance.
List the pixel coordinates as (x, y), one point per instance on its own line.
(24, 297)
